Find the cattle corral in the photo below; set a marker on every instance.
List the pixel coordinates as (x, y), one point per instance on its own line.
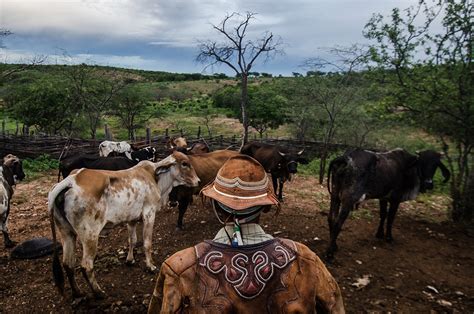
(428, 267)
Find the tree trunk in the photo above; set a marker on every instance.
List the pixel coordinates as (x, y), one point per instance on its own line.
(322, 164)
(243, 108)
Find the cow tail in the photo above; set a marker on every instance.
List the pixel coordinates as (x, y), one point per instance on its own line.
(336, 161)
(56, 204)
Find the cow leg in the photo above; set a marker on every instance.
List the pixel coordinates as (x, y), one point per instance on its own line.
(89, 251)
(69, 259)
(336, 228)
(383, 215)
(183, 206)
(132, 241)
(7, 242)
(275, 183)
(392, 211)
(280, 189)
(148, 221)
(333, 212)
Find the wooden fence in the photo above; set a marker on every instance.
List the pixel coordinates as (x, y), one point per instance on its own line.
(25, 146)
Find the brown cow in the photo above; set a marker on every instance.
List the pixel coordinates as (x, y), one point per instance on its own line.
(206, 166)
(83, 203)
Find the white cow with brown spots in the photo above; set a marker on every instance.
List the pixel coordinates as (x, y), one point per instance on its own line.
(83, 203)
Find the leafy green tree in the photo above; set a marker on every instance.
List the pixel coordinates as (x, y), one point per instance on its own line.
(131, 106)
(94, 90)
(433, 79)
(266, 108)
(44, 104)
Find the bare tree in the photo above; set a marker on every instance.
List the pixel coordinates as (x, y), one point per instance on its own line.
(335, 96)
(239, 53)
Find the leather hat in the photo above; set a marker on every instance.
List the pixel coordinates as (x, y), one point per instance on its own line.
(241, 183)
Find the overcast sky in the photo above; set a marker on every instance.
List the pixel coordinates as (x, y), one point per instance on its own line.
(163, 34)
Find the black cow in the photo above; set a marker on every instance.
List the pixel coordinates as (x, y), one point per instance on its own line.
(11, 172)
(392, 177)
(276, 160)
(105, 163)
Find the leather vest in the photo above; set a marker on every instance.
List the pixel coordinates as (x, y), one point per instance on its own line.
(246, 271)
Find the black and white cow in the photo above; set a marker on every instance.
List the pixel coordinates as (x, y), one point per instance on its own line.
(392, 177)
(280, 163)
(11, 172)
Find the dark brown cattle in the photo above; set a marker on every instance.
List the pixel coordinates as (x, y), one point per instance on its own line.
(392, 177)
(206, 167)
(195, 149)
(280, 163)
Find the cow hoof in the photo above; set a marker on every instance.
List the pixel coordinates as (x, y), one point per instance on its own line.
(329, 256)
(78, 295)
(100, 295)
(379, 235)
(389, 239)
(172, 204)
(151, 269)
(179, 228)
(130, 263)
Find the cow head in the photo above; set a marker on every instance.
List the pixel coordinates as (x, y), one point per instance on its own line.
(428, 162)
(14, 164)
(150, 153)
(291, 160)
(179, 168)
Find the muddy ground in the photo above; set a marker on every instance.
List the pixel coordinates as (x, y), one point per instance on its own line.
(430, 266)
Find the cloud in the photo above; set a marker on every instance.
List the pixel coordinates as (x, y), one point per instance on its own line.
(140, 31)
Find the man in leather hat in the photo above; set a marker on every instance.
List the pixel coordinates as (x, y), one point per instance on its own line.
(243, 269)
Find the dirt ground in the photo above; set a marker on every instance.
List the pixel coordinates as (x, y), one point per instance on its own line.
(430, 266)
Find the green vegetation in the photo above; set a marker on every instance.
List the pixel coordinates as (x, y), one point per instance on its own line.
(33, 168)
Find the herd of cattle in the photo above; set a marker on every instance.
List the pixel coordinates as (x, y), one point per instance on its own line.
(125, 185)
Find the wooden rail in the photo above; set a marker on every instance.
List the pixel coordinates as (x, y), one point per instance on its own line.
(55, 146)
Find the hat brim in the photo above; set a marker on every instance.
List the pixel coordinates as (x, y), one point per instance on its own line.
(239, 203)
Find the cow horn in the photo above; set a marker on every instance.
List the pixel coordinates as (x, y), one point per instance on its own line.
(281, 154)
(300, 152)
(417, 152)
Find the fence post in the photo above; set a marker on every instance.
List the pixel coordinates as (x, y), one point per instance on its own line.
(166, 133)
(181, 132)
(221, 139)
(148, 136)
(107, 132)
(17, 128)
(3, 127)
(199, 132)
(234, 139)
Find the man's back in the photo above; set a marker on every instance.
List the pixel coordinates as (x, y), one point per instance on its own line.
(274, 276)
